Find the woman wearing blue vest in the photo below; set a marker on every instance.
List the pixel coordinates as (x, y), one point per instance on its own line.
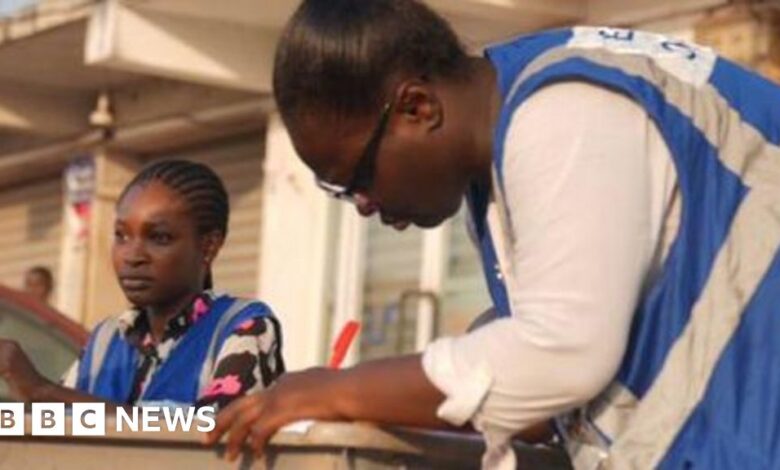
(181, 342)
(624, 191)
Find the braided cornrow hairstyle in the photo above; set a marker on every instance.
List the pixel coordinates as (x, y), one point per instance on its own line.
(339, 55)
(200, 187)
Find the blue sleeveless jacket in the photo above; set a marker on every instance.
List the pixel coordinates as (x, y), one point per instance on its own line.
(109, 363)
(699, 386)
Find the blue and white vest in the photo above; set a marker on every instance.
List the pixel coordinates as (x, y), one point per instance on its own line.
(109, 363)
(699, 385)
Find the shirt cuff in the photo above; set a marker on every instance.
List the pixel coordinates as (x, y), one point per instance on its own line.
(465, 390)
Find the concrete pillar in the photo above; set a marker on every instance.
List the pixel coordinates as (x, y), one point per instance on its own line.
(349, 270)
(294, 250)
(79, 192)
(433, 271)
(103, 297)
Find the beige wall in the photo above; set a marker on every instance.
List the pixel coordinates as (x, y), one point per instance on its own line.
(30, 228)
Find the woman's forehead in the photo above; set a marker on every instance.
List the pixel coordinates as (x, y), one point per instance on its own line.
(327, 146)
(152, 199)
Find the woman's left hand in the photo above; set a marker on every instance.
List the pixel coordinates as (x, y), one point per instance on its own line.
(390, 391)
(19, 372)
(256, 417)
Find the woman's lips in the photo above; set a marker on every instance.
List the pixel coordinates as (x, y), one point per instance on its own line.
(396, 222)
(135, 283)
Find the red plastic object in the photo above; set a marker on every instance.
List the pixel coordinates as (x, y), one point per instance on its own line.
(343, 342)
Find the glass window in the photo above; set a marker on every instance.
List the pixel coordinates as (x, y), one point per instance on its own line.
(50, 351)
(392, 267)
(464, 291)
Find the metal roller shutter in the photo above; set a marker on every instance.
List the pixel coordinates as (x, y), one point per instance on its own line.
(30, 229)
(239, 162)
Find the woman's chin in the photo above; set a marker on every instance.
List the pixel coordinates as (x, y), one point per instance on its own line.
(138, 299)
(430, 221)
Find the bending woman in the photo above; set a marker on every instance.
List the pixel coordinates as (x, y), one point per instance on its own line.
(624, 191)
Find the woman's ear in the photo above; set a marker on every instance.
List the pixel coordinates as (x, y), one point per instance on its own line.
(212, 243)
(417, 102)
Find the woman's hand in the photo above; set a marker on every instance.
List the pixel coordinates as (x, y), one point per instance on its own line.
(256, 417)
(388, 391)
(18, 371)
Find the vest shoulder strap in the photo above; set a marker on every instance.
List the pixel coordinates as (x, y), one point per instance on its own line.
(104, 334)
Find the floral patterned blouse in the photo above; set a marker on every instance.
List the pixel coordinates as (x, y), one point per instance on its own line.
(249, 361)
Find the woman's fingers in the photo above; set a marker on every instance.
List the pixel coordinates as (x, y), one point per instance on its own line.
(236, 422)
(225, 420)
(255, 418)
(262, 430)
(261, 434)
(23, 379)
(241, 426)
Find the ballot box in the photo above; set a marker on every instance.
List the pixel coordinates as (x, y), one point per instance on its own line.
(303, 446)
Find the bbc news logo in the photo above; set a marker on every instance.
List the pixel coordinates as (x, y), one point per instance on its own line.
(89, 419)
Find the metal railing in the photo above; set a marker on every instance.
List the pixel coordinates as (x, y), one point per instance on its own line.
(351, 446)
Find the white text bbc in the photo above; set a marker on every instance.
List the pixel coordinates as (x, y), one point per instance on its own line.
(89, 419)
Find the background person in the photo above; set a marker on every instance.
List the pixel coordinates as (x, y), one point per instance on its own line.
(39, 283)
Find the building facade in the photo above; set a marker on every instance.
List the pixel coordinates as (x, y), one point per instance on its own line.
(91, 90)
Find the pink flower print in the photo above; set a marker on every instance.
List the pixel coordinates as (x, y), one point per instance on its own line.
(199, 309)
(227, 385)
(246, 325)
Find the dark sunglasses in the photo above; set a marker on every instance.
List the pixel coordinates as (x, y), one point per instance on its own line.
(363, 176)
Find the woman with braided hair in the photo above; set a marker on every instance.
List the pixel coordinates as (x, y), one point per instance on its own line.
(179, 342)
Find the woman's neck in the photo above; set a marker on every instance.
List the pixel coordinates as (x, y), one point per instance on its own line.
(484, 98)
(160, 315)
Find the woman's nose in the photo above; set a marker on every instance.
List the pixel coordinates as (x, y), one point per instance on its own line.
(135, 253)
(365, 206)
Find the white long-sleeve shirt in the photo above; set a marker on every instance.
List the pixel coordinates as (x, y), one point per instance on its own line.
(592, 195)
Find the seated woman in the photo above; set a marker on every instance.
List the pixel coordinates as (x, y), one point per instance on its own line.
(180, 342)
